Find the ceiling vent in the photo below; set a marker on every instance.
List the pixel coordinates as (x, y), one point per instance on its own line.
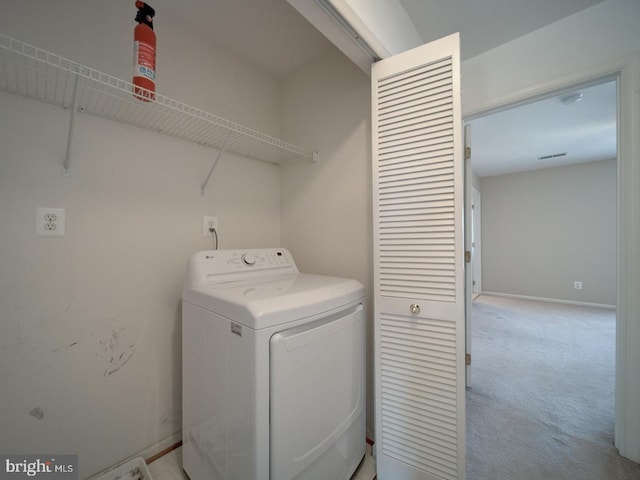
(555, 155)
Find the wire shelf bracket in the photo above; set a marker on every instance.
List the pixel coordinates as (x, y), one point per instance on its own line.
(203, 187)
(35, 73)
(66, 169)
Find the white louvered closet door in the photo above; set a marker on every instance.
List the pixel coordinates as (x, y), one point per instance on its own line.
(419, 264)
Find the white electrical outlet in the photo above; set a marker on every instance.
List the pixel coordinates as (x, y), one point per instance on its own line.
(577, 285)
(209, 222)
(50, 222)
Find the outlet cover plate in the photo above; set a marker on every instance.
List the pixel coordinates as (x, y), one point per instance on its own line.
(206, 223)
(50, 222)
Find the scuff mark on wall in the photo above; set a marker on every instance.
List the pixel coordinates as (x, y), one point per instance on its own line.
(117, 363)
(37, 413)
(57, 349)
(113, 342)
(115, 348)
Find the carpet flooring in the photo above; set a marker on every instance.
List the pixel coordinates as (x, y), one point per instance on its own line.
(541, 403)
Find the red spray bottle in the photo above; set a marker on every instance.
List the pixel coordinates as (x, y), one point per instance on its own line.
(144, 53)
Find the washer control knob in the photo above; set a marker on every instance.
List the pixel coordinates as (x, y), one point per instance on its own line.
(415, 308)
(248, 259)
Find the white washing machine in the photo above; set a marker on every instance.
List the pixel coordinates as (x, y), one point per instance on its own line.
(273, 369)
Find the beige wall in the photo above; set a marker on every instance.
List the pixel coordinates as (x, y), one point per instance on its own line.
(134, 211)
(591, 38)
(542, 230)
(91, 321)
(326, 206)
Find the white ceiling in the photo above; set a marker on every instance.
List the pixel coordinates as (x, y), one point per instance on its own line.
(486, 24)
(514, 140)
(274, 37)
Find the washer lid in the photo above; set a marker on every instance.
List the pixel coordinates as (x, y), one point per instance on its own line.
(263, 303)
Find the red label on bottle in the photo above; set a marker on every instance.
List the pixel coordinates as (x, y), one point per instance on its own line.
(144, 60)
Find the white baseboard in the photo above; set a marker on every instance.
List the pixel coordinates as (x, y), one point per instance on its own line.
(551, 300)
(160, 446)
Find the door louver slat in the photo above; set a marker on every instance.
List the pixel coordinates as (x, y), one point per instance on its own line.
(435, 72)
(419, 135)
(418, 426)
(418, 264)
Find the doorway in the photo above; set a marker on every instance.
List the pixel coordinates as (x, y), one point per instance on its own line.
(548, 174)
(563, 158)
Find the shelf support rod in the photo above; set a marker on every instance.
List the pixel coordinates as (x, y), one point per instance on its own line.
(203, 187)
(67, 161)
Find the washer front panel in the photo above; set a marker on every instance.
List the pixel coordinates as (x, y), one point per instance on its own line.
(316, 393)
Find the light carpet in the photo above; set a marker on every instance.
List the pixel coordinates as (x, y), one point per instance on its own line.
(541, 404)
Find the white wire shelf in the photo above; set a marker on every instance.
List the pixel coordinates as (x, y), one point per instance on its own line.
(38, 74)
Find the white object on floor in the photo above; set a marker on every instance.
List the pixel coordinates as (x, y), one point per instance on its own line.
(273, 369)
(168, 467)
(135, 469)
